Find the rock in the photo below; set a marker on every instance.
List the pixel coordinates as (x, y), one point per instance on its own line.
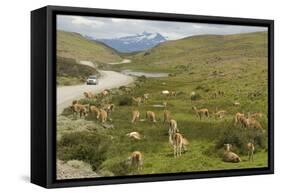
(108, 126)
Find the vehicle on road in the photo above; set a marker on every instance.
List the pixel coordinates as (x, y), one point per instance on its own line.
(92, 80)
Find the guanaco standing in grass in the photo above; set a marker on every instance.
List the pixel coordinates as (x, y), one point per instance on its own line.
(173, 126)
(219, 113)
(238, 117)
(201, 112)
(136, 159)
(135, 116)
(145, 97)
(137, 100)
(103, 115)
(251, 149)
(176, 140)
(167, 116)
(95, 110)
(150, 116)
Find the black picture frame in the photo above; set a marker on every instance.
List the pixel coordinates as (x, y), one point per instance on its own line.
(43, 95)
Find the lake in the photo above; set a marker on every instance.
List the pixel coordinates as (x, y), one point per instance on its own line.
(146, 74)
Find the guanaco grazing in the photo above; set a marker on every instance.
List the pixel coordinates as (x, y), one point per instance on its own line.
(201, 112)
(103, 116)
(219, 113)
(80, 109)
(136, 159)
(137, 100)
(135, 116)
(109, 108)
(256, 115)
(95, 110)
(145, 97)
(238, 117)
(105, 93)
(150, 116)
(89, 95)
(167, 116)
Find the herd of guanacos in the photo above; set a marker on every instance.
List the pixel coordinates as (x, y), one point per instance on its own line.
(176, 139)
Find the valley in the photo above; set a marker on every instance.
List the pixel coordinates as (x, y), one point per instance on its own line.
(214, 72)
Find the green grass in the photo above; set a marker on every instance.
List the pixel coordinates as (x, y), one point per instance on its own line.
(203, 135)
(75, 46)
(234, 64)
(206, 51)
(158, 154)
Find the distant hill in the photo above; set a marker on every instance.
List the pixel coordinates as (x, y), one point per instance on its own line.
(204, 50)
(69, 72)
(75, 46)
(138, 42)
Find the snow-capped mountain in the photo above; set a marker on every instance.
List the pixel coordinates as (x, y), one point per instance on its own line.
(133, 43)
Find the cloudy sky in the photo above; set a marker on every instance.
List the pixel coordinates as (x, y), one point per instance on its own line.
(99, 27)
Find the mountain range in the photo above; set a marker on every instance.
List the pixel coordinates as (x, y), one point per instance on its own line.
(133, 43)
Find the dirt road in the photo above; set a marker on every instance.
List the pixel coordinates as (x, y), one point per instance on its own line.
(108, 80)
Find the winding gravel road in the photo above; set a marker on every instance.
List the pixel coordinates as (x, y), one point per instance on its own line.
(108, 80)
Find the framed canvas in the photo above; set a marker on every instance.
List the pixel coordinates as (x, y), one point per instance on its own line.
(125, 96)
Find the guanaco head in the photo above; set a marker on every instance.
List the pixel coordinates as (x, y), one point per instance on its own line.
(227, 147)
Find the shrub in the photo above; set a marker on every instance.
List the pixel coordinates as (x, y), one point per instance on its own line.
(97, 102)
(90, 147)
(68, 80)
(70, 68)
(203, 87)
(146, 53)
(142, 78)
(172, 74)
(195, 96)
(67, 111)
(181, 93)
(123, 100)
(89, 101)
(239, 137)
(183, 67)
(120, 168)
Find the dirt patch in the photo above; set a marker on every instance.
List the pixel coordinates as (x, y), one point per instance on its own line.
(74, 169)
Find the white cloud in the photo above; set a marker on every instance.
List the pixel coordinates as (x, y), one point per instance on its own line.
(80, 20)
(117, 20)
(99, 27)
(196, 26)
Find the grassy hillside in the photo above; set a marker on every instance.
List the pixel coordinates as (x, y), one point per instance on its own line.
(75, 46)
(204, 51)
(234, 64)
(69, 72)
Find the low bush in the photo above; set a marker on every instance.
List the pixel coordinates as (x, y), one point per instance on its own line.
(67, 111)
(123, 100)
(90, 147)
(69, 67)
(142, 78)
(89, 101)
(239, 137)
(68, 81)
(120, 167)
(203, 87)
(195, 96)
